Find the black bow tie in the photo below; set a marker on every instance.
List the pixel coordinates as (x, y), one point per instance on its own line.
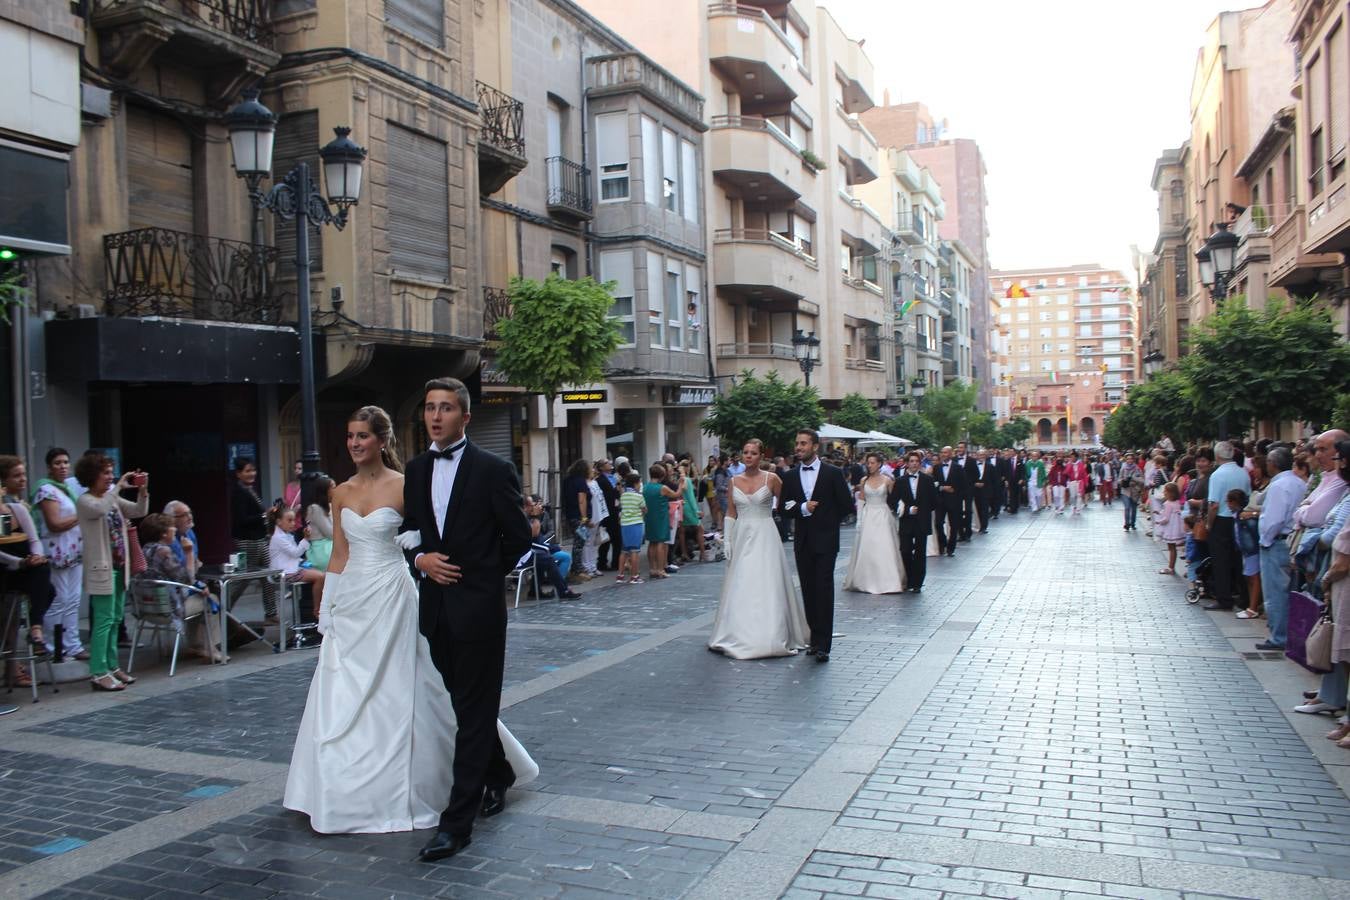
(808, 468)
(449, 452)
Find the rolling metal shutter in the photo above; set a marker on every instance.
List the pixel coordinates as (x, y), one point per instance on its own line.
(419, 207)
(297, 139)
(491, 430)
(423, 19)
(159, 172)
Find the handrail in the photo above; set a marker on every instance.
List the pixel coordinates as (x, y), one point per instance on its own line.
(503, 118)
(757, 348)
(761, 236)
(755, 123)
(716, 10)
(250, 20)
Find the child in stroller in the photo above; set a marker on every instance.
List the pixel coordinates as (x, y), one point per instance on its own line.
(1197, 568)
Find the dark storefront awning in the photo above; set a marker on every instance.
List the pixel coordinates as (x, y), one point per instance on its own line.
(171, 350)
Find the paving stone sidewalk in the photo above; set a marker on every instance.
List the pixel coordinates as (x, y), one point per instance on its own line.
(1048, 719)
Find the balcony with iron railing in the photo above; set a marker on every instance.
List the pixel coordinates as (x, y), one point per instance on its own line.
(231, 39)
(501, 142)
(173, 274)
(569, 194)
(749, 49)
(753, 154)
(496, 306)
(910, 227)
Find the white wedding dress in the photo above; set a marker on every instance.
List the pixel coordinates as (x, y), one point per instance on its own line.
(377, 739)
(875, 567)
(760, 613)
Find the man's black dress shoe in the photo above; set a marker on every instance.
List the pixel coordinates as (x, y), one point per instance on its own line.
(916, 590)
(443, 846)
(811, 650)
(1269, 645)
(822, 656)
(494, 801)
(951, 552)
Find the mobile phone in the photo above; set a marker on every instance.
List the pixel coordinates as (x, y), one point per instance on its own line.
(140, 479)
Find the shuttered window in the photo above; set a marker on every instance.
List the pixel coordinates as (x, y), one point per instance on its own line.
(651, 161)
(419, 207)
(297, 138)
(611, 146)
(423, 19)
(159, 172)
(1337, 98)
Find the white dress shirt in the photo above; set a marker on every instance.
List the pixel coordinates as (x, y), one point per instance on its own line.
(809, 471)
(913, 493)
(1277, 507)
(443, 481)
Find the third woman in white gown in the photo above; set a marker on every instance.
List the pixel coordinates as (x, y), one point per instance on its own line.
(760, 612)
(377, 739)
(874, 567)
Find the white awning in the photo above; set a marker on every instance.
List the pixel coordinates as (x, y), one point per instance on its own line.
(830, 432)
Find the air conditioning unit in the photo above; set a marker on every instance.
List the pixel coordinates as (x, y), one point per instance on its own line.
(85, 311)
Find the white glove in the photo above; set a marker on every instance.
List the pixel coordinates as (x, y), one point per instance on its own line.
(409, 540)
(728, 528)
(330, 583)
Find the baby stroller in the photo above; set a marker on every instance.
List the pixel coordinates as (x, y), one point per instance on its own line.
(1200, 572)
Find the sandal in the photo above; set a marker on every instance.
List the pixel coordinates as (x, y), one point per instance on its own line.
(1340, 732)
(1344, 743)
(122, 676)
(636, 580)
(1167, 571)
(21, 680)
(106, 683)
(1247, 614)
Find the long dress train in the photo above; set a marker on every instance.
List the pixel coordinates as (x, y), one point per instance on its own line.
(377, 739)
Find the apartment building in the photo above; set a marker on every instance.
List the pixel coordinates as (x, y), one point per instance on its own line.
(1068, 324)
(957, 265)
(958, 166)
(794, 245)
(602, 175)
(1165, 291)
(909, 200)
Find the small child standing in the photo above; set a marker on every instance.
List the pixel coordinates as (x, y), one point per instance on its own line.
(1171, 525)
(289, 556)
(632, 513)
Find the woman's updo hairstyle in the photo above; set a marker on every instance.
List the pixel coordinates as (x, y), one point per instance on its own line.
(382, 428)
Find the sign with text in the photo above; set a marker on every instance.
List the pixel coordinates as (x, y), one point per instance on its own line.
(598, 396)
(690, 395)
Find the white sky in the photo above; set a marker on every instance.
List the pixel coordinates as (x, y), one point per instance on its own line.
(1071, 102)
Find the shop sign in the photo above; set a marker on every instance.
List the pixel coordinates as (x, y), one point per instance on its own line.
(490, 374)
(574, 397)
(690, 395)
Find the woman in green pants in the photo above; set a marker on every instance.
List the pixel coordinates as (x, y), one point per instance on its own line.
(103, 523)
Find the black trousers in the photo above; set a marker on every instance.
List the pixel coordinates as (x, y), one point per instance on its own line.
(610, 553)
(36, 583)
(1225, 560)
(981, 501)
(472, 672)
(947, 521)
(967, 514)
(914, 554)
(816, 573)
(1014, 492)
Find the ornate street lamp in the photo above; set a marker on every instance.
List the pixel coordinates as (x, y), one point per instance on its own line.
(1217, 260)
(252, 128)
(806, 346)
(917, 388)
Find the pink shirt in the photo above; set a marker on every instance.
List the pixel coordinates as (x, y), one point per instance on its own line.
(1313, 512)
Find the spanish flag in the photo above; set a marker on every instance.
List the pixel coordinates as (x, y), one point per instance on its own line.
(1016, 291)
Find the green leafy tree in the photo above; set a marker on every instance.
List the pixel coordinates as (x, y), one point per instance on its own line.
(982, 429)
(767, 408)
(1340, 416)
(857, 412)
(1015, 432)
(912, 427)
(949, 409)
(559, 334)
(1279, 363)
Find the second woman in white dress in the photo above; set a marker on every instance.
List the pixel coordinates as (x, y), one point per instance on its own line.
(874, 567)
(760, 612)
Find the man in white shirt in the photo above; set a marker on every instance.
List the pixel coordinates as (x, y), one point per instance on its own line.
(1276, 522)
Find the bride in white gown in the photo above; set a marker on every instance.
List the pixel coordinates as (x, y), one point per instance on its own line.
(377, 738)
(874, 567)
(760, 612)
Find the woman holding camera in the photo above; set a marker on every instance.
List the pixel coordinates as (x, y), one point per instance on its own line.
(103, 523)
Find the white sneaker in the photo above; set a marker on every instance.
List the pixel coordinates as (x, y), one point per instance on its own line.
(1314, 707)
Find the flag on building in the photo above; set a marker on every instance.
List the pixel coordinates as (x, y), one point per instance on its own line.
(1016, 291)
(1054, 377)
(906, 306)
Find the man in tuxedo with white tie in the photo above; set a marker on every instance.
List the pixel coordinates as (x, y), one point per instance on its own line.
(913, 496)
(465, 505)
(951, 484)
(816, 497)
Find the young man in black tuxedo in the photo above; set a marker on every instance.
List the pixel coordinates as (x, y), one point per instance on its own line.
(913, 496)
(465, 503)
(1015, 480)
(815, 496)
(951, 484)
(979, 486)
(967, 464)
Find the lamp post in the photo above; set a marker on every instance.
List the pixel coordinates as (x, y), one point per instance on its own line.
(252, 128)
(917, 387)
(1216, 260)
(806, 346)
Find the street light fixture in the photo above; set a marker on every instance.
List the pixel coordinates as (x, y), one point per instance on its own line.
(917, 388)
(1217, 259)
(806, 346)
(252, 128)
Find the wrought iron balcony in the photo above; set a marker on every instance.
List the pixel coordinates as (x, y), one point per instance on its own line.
(568, 188)
(496, 306)
(249, 20)
(501, 143)
(158, 272)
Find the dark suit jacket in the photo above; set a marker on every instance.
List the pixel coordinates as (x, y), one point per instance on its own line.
(818, 532)
(956, 478)
(901, 498)
(486, 533)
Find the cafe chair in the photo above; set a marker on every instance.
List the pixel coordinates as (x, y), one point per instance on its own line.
(524, 577)
(15, 645)
(154, 607)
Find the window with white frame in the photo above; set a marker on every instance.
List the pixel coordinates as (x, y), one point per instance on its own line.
(611, 147)
(1085, 331)
(1045, 332)
(617, 266)
(1047, 365)
(1110, 346)
(656, 318)
(1062, 299)
(1024, 367)
(1110, 330)
(689, 179)
(1046, 316)
(651, 162)
(1024, 332)
(1082, 281)
(1005, 318)
(1065, 365)
(1063, 331)
(670, 170)
(1062, 315)
(1023, 302)
(1024, 317)
(693, 308)
(1046, 348)
(846, 259)
(1059, 282)
(674, 304)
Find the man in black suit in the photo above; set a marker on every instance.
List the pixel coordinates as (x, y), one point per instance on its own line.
(1015, 480)
(979, 489)
(967, 465)
(913, 496)
(816, 497)
(951, 485)
(465, 503)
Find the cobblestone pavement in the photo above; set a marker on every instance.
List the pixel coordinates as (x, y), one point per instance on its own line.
(1048, 719)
